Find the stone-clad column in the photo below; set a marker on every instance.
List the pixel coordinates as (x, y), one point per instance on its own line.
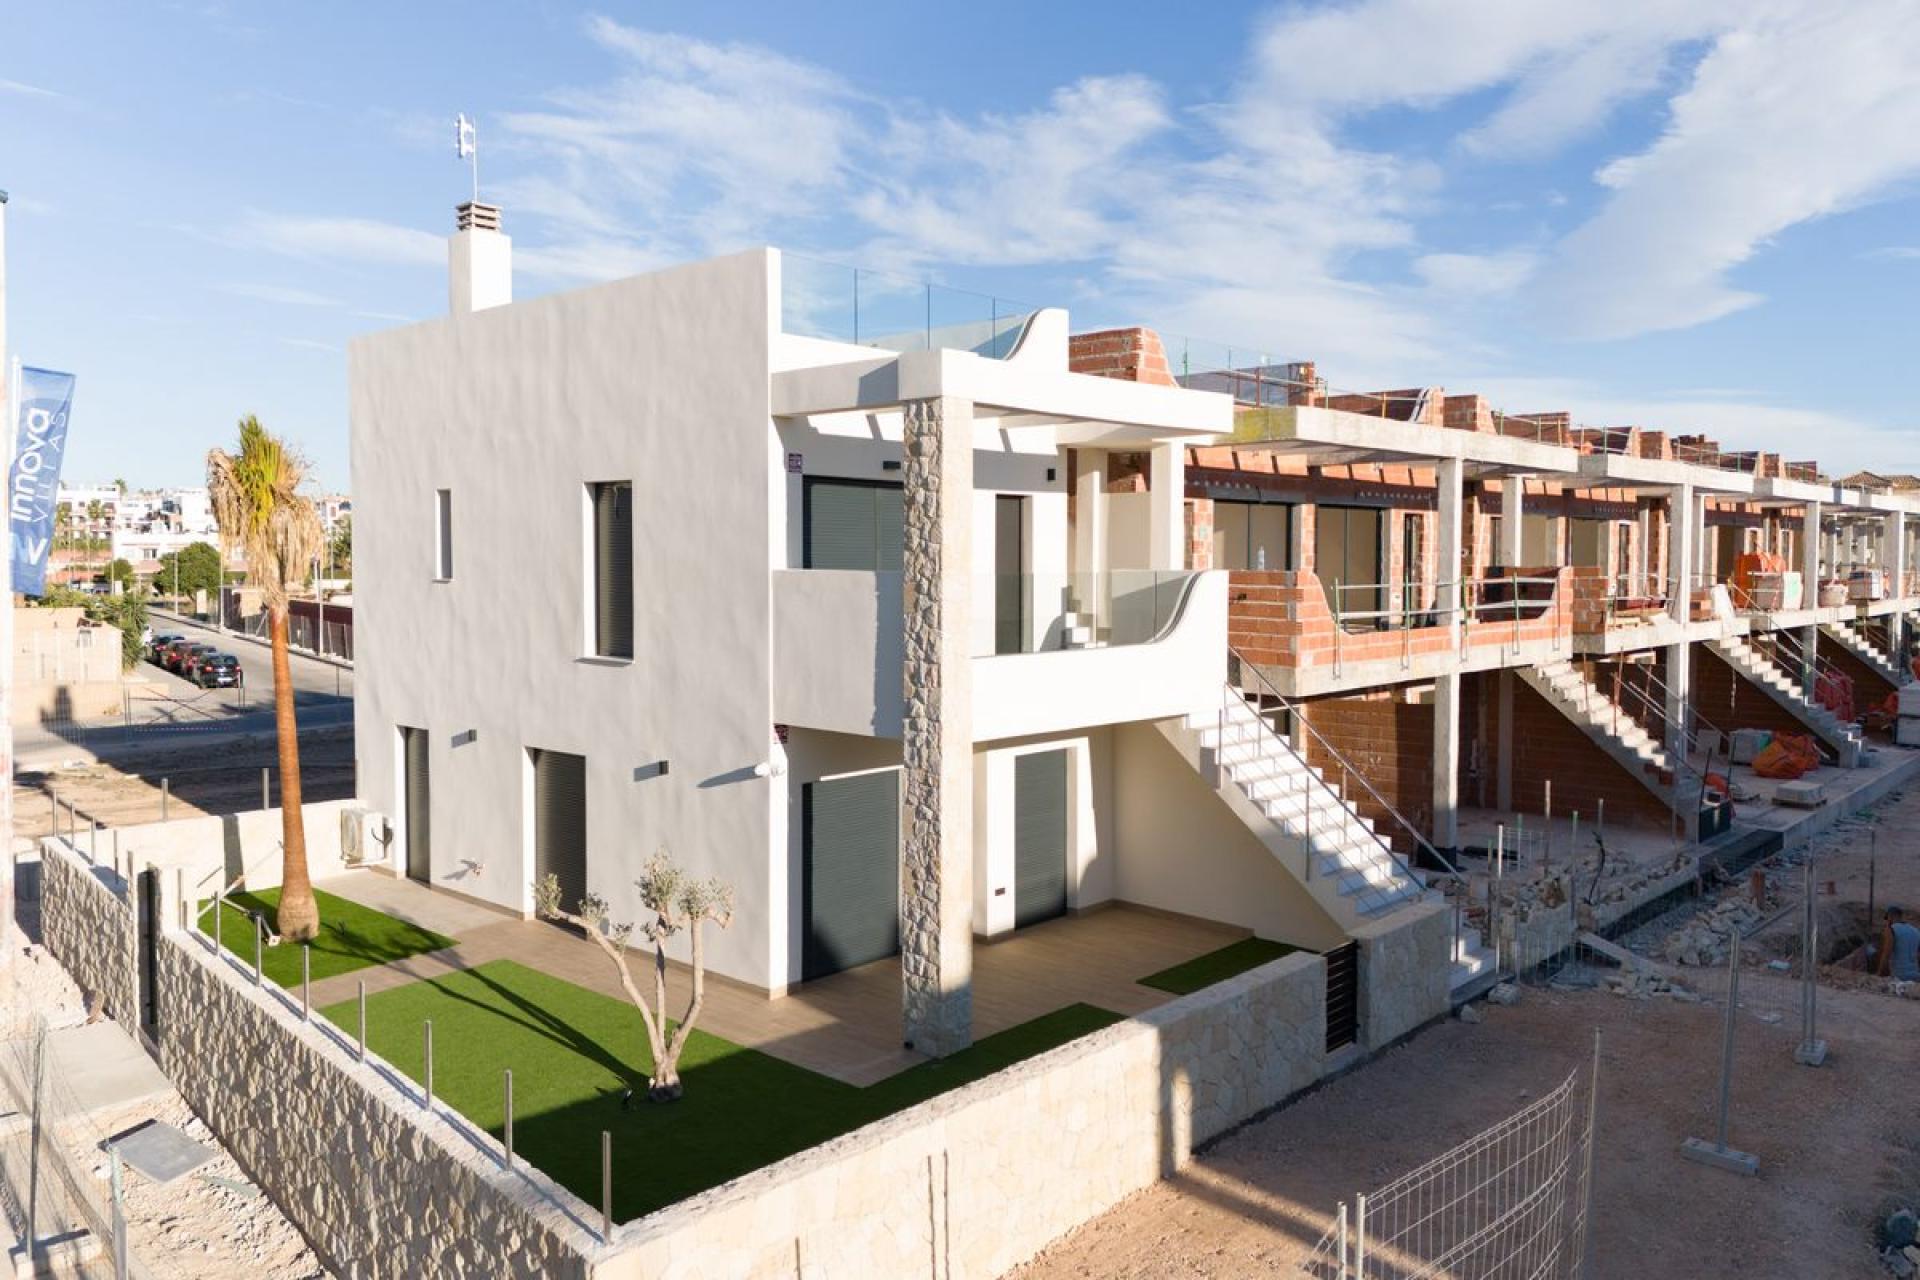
(936, 883)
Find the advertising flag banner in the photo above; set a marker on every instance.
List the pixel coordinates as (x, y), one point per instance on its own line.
(46, 400)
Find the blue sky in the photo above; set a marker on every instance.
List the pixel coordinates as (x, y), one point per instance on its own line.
(1695, 215)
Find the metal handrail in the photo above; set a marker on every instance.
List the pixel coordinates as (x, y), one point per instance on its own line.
(1816, 664)
(1464, 596)
(1666, 721)
(1348, 771)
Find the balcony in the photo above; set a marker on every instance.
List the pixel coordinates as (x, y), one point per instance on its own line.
(894, 313)
(1052, 652)
(1290, 626)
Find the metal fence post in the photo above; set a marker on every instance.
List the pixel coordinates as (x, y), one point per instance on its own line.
(426, 1092)
(259, 945)
(1341, 1225)
(507, 1141)
(266, 798)
(606, 1185)
(166, 791)
(120, 1269)
(360, 1043)
(180, 893)
(306, 982)
(1360, 1237)
(1586, 1174)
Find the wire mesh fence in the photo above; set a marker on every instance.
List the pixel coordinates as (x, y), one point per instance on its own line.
(1510, 1203)
(50, 1147)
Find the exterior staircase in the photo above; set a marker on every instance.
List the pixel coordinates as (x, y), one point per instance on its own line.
(1618, 734)
(1767, 676)
(1868, 652)
(1327, 845)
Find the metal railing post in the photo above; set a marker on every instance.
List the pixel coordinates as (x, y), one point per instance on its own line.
(259, 946)
(266, 798)
(426, 1081)
(506, 1141)
(1341, 1226)
(360, 1040)
(306, 982)
(166, 792)
(606, 1185)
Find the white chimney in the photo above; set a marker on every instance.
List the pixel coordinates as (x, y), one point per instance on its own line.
(479, 260)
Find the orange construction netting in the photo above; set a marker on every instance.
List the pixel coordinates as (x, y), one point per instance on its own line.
(1787, 756)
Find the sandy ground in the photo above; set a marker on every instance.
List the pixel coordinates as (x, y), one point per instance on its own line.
(213, 1224)
(203, 779)
(1838, 1145)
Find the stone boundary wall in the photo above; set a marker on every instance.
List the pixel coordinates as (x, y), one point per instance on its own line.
(87, 923)
(965, 1185)
(977, 1181)
(1404, 964)
(379, 1187)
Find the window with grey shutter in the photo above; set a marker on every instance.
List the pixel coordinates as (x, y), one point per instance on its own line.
(613, 569)
(850, 872)
(560, 823)
(443, 534)
(852, 524)
(1039, 836)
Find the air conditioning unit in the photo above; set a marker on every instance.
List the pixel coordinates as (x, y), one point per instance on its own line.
(362, 841)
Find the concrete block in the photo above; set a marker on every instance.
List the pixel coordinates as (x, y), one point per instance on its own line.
(1701, 1151)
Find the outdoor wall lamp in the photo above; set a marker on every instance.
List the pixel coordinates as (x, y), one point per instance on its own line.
(768, 769)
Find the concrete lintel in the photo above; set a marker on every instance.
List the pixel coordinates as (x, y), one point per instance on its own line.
(890, 381)
(1619, 470)
(1388, 439)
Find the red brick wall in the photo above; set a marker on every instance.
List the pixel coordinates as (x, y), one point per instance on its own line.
(1389, 741)
(1869, 686)
(1199, 513)
(1548, 746)
(1135, 355)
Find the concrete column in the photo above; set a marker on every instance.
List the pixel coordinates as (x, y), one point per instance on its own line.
(1679, 694)
(1894, 561)
(1089, 527)
(1512, 498)
(1810, 554)
(1683, 514)
(1447, 546)
(1166, 498)
(936, 883)
(1446, 762)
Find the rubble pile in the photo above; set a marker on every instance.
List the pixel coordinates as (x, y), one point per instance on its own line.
(1703, 939)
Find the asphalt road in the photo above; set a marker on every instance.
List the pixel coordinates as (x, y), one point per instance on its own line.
(174, 712)
(314, 682)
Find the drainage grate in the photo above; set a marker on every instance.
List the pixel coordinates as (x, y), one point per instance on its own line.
(1343, 996)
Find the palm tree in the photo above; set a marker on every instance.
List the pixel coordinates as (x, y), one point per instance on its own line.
(258, 506)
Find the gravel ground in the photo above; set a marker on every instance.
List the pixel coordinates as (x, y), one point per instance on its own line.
(1838, 1145)
(213, 1224)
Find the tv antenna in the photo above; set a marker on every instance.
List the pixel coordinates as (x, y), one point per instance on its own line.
(466, 145)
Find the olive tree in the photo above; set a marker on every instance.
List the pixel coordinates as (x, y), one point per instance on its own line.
(678, 903)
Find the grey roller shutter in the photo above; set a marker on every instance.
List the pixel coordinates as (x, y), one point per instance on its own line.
(419, 805)
(613, 569)
(560, 823)
(850, 525)
(850, 872)
(1039, 836)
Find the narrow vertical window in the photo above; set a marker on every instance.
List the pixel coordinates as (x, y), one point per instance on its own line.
(613, 569)
(443, 534)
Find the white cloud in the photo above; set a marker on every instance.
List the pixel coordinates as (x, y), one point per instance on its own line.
(1800, 112)
(310, 344)
(343, 239)
(283, 294)
(1893, 253)
(1476, 275)
(27, 90)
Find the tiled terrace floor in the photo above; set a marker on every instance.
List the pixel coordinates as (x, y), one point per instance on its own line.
(846, 1026)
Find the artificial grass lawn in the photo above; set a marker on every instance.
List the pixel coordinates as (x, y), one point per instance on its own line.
(351, 936)
(572, 1051)
(1229, 961)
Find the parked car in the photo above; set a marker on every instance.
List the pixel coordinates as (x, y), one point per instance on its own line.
(219, 671)
(157, 647)
(175, 652)
(190, 663)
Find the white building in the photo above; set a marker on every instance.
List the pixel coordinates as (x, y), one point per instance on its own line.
(630, 574)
